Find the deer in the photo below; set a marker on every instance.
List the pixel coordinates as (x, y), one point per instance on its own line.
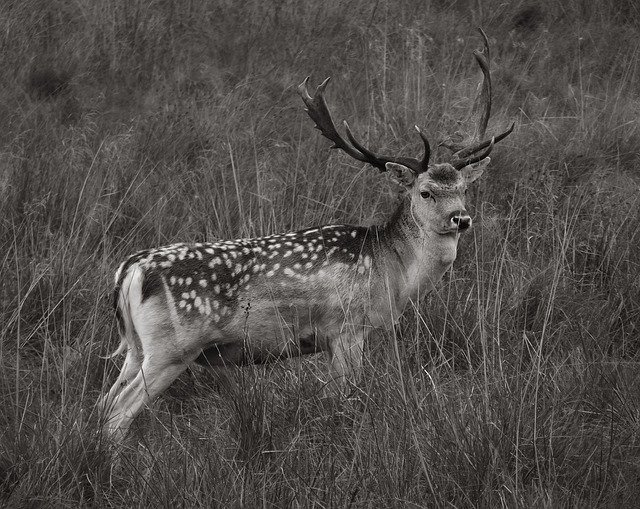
(319, 289)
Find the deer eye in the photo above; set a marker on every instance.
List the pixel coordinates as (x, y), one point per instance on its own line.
(426, 195)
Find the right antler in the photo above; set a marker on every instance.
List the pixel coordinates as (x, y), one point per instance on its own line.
(462, 155)
(319, 113)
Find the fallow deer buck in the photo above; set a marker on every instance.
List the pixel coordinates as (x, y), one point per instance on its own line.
(321, 289)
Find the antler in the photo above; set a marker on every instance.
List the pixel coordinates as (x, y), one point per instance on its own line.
(317, 109)
(463, 155)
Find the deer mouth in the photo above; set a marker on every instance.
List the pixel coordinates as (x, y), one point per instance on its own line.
(456, 230)
(449, 232)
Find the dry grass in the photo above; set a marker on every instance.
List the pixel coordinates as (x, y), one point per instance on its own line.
(130, 124)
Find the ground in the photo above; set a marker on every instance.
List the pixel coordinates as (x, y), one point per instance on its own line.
(130, 125)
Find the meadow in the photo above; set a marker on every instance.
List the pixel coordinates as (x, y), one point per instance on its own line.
(132, 124)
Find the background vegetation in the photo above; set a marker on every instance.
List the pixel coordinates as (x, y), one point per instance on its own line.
(128, 124)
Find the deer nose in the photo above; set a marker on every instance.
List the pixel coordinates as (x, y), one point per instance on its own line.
(460, 220)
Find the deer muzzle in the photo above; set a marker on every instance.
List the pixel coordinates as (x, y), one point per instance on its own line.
(460, 220)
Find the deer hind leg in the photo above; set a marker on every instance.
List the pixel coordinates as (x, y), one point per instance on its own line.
(154, 376)
(161, 353)
(129, 370)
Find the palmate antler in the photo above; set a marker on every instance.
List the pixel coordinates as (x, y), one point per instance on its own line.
(319, 113)
(463, 156)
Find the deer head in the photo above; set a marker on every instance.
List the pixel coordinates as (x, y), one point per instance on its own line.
(436, 190)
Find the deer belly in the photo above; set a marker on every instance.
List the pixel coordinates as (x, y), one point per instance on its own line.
(263, 331)
(242, 353)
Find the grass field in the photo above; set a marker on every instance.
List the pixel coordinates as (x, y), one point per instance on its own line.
(130, 124)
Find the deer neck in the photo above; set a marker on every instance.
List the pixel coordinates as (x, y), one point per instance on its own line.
(416, 257)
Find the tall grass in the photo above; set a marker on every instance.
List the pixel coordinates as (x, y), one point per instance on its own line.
(126, 125)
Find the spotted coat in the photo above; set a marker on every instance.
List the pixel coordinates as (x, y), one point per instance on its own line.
(222, 283)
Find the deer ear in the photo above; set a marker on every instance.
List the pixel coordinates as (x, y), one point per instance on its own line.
(474, 171)
(401, 173)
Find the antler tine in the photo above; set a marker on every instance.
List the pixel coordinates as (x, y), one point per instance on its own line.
(458, 165)
(357, 144)
(427, 149)
(319, 113)
(466, 152)
(409, 162)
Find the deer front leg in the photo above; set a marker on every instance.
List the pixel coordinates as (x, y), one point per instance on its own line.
(345, 359)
